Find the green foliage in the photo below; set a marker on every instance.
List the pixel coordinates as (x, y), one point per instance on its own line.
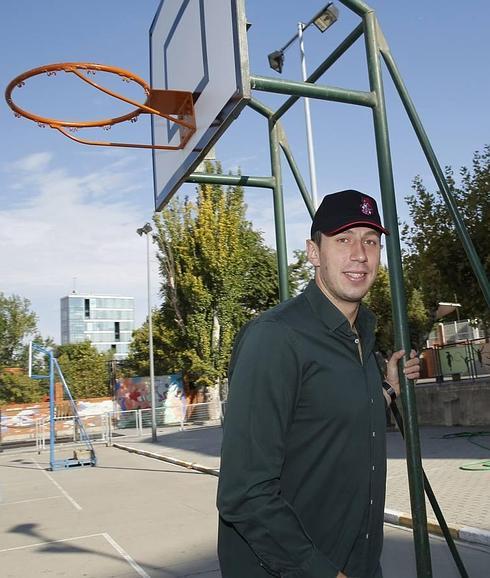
(379, 302)
(85, 369)
(216, 274)
(17, 326)
(18, 388)
(435, 260)
(300, 272)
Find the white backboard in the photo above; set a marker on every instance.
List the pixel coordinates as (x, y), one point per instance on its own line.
(198, 46)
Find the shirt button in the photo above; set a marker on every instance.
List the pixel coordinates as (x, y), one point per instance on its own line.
(367, 536)
(372, 400)
(374, 467)
(356, 341)
(374, 434)
(371, 501)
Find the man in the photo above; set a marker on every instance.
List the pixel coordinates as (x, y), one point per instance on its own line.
(302, 481)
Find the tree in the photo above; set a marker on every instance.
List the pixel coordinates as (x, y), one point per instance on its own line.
(17, 324)
(17, 387)
(85, 369)
(216, 273)
(300, 272)
(436, 262)
(378, 300)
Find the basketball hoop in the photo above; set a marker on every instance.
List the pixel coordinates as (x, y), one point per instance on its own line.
(176, 106)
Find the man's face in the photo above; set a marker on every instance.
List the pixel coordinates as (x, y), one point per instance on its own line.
(346, 264)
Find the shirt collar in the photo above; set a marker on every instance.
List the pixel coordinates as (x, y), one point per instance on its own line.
(333, 318)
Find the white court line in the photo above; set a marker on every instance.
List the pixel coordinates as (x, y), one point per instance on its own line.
(50, 542)
(30, 500)
(136, 567)
(64, 492)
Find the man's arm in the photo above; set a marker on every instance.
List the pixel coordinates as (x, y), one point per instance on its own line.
(265, 383)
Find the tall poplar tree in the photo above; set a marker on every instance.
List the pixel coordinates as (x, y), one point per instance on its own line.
(217, 273)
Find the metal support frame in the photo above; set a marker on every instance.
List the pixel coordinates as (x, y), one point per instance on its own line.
(84, 438)
(279, 222)
(376, 46)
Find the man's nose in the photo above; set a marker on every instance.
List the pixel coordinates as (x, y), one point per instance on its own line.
(358, 252)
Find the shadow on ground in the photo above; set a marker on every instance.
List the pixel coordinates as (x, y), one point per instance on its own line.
(445, 443)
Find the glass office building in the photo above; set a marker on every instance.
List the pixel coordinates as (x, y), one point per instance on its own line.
(105, 320)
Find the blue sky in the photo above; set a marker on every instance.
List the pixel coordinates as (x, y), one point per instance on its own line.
(68, 213)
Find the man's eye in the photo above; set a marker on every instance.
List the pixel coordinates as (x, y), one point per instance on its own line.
(343, 240)
(371, 242)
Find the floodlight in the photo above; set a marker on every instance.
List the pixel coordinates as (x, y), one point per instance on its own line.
(326, 17)
(322, 20)
(147, 228)
(276, 60)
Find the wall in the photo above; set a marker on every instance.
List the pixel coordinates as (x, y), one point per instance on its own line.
(464, 403)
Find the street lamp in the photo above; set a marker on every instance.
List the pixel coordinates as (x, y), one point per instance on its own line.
(147, 229)
(322, 20)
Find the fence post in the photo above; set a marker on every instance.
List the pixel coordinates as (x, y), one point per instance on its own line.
(183, 411)
(107, 428)
(139, 422)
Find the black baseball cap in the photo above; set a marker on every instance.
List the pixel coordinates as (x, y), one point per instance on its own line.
(346, 209)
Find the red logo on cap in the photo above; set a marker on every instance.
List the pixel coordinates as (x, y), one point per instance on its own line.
(367, 207)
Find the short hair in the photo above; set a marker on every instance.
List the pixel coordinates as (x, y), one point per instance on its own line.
(317, 238)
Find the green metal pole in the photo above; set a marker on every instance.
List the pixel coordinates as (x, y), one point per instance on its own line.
(357, 6)
(280, 226)
(283, 143)
(232, 180)
(297, 177)
(333, 93)
(326, 64)
(402, 338)
(464, 237)
(260, 107)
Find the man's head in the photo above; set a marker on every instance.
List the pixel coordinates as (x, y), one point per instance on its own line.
(345, 247)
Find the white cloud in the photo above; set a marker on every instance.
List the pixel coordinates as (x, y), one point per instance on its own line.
(33, 162)
(69, 225)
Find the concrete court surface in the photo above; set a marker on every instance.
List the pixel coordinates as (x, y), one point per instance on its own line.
(136, 516)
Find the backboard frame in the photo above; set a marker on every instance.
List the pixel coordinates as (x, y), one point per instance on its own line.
(170, 172)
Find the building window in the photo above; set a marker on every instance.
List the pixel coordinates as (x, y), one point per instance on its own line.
(117, 331)
(87, 308)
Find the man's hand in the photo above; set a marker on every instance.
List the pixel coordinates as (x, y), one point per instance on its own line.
(411, 369)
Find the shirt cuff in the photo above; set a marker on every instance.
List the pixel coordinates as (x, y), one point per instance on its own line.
(317, 566)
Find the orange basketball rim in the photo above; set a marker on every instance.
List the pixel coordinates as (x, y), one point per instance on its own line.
(176, 106)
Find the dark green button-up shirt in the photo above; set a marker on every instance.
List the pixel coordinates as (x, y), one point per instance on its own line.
(303, 466)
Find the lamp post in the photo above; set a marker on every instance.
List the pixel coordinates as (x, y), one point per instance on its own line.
(309, 129)
(146, 229)
(322, 20)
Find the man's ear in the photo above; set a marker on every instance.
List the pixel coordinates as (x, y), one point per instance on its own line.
(313, 253)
